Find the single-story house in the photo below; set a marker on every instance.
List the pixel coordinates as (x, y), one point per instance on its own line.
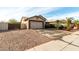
(35, 22)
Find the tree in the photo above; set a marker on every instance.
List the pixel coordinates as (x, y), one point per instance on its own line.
(12, 21)
(57, 24)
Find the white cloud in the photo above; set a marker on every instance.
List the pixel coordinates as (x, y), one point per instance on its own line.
(24, 11)
(43, 10)
(18, 12)
(6, 14)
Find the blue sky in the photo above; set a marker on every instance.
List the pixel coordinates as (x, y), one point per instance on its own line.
(48, 12)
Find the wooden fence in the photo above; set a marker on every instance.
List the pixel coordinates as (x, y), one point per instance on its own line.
(13, 26)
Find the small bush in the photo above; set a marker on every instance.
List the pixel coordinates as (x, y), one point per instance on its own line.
(62, 27)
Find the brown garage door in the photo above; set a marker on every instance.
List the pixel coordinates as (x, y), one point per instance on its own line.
(34, 24)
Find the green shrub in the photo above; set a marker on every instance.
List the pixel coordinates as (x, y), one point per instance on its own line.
(57, 24)
(61, 27)
(77, 23)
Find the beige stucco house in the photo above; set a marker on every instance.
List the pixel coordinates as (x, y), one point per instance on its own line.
(35, 22)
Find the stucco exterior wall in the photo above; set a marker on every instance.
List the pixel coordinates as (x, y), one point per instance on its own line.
(35, 18)
(40, 19)
(24, 24)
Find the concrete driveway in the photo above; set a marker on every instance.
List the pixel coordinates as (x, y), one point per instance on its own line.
(64, 43)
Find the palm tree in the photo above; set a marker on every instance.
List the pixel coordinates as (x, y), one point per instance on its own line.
(68, 23)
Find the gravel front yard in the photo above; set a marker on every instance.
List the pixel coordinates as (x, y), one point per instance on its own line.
(20, 40)
(54, 33)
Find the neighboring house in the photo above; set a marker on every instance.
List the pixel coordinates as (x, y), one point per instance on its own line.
(54, 22)
(35, 22)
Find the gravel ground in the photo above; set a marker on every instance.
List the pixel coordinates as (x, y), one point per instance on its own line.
(20, 40)
(54, 33)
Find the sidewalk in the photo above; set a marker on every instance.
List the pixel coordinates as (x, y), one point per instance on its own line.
(66, 43)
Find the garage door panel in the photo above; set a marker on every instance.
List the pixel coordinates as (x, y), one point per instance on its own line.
(36, 24)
